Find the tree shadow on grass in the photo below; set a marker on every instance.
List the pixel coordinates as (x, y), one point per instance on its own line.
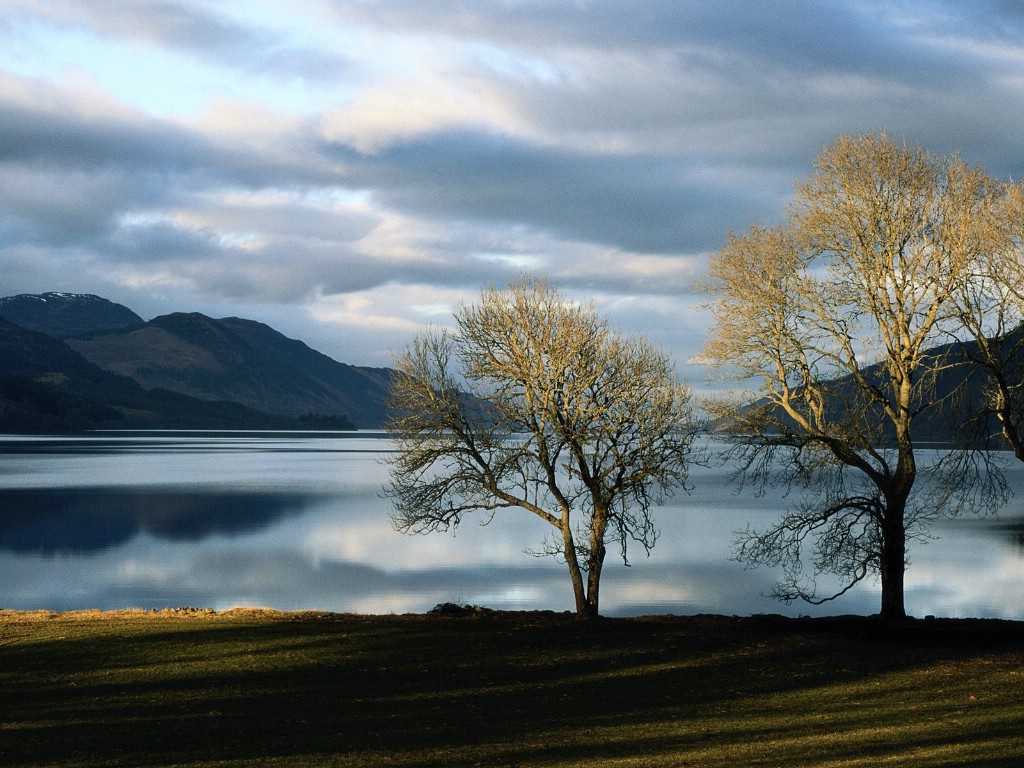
(511, 689)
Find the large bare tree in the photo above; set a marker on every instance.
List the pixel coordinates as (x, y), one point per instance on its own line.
(834, 315)
(535, 403)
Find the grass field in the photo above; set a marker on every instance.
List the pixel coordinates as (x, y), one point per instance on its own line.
(243, 688)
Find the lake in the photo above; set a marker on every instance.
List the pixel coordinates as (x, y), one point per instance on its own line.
(296, 521)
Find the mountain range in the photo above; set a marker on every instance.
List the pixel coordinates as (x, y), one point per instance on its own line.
(72, 362)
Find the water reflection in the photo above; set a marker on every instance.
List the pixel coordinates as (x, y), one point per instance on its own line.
(90, 520)
(296, 521)
(1014, 532)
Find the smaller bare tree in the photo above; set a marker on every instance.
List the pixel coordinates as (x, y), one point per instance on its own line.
(535, 403)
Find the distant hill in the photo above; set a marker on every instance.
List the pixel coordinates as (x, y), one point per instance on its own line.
(45, 386)
(242, 361)
(177, 358)
(66, 315)
(955, 413)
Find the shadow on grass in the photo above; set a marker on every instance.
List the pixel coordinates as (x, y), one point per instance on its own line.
(508, 689)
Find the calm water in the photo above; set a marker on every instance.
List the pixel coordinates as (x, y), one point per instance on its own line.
(296, 521)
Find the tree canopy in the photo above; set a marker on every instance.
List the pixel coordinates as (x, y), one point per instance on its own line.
(534, 402)
(836, 316)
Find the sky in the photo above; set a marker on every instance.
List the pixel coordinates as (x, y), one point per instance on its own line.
(349, 171)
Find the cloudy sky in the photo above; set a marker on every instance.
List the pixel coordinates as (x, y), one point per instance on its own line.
(347, 170)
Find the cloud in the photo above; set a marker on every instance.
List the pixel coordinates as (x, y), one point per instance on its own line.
(646, 204)
(404, 108)
(751, 80)
(191, 28)
(305, 161)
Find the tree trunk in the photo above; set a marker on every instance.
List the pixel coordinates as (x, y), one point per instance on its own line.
(595, 558)
(1005, 417)
(594, 579)
(572, 561)
(893, 565)
(893, 557)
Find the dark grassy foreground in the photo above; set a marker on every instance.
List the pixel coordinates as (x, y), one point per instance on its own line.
(247, 688)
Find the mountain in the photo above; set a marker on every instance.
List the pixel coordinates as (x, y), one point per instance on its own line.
(241, 361)
(45, 386)
(189, 355)
(66, 315)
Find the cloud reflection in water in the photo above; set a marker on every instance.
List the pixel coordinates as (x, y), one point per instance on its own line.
(299, 524)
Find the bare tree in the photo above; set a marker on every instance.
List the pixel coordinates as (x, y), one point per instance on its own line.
(535, 403)
(834, 315)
